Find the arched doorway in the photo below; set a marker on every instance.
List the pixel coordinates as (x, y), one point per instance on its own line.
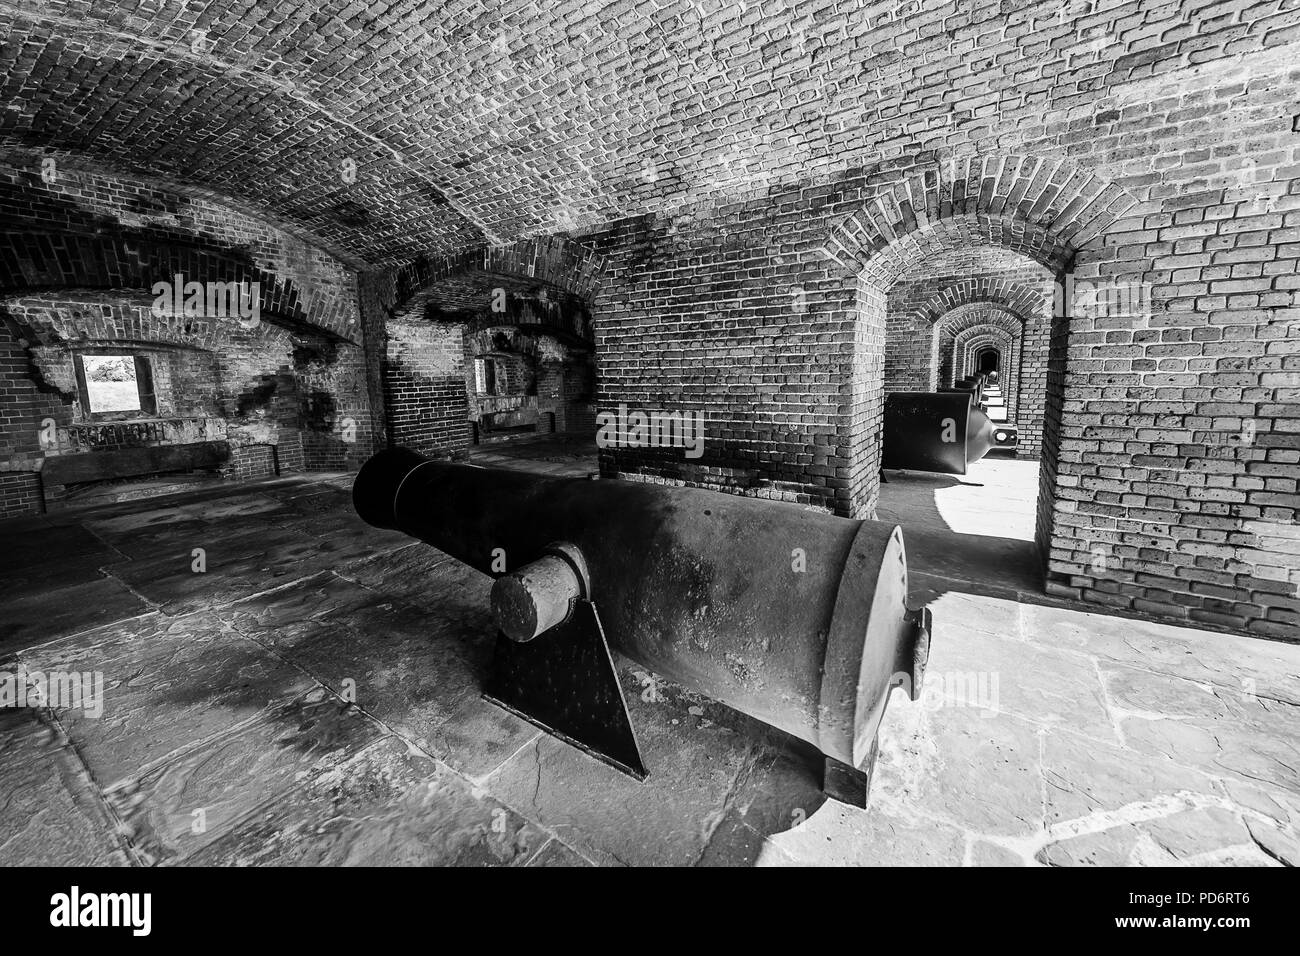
(948, 228)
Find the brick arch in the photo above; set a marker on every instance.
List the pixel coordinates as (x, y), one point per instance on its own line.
(1048, 209)
(71, 318)
(549, 283)
(555, 262)
(38, 262)
(974, 319)
(902, 254)
(963, 319)
(969, 344)
(1019, 298)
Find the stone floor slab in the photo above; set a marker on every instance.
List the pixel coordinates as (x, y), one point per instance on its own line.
(50, 811)
(181, 806)
(611, 818)
(231, 568)
(837, 835)
(166, 687)
(1260, 667)
(37, 616)
(993, 674)
(976, 770)
(388, 806)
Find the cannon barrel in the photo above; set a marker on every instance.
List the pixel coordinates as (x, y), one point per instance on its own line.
(973, 385)
(944, 431)
(786, 614)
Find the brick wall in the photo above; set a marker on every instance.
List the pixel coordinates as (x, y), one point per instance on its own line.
(261, 387)
(709, 315)
(424, 386)
(255, 461)
(758, 177)
(577, 397)
(29, 401)
(294, 379)
(20, 494)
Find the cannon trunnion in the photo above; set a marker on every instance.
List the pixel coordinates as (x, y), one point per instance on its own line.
(785, 614)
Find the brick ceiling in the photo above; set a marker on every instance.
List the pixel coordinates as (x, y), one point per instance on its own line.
(486, 121)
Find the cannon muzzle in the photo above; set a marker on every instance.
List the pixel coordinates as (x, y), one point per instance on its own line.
(789, 615)
(943, 431)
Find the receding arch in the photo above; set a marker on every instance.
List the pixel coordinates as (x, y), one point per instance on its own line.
(983, 350)
(954, 331)
(547, 284)
(1047, 208)
(972, 346)
(1019, 298)
(554, 262)
(1051, 210)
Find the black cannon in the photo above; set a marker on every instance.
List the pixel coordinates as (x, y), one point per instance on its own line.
(791, 616)
(943, 431)
(975, 384)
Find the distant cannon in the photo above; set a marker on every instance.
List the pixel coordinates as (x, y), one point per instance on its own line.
(1005, 435)
(943, 431)
(971, 385)
(791, 616)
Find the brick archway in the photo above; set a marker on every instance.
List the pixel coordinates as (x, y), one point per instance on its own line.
(546, 284)
(433, 307)
(64, 236)
(1018, 298)
(970, 346)
(73, 318)
(45, 262)
(952, 333)
(1049, 209)
(1028, 316)
(1046, 208)
(552, 262)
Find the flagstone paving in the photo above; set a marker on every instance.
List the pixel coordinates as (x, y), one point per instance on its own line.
(309, 693)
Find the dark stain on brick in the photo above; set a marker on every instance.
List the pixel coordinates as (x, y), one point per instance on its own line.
(259, 396)
(318, 411)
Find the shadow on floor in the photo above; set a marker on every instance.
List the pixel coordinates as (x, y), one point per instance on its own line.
(982, 562)
(320, 703)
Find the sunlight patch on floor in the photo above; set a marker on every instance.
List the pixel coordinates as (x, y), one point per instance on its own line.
(995, 498)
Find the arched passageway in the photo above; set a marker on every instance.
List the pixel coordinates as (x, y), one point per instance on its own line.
(934, 246)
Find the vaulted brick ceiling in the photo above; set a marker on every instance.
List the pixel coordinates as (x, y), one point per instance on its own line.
(470, 121)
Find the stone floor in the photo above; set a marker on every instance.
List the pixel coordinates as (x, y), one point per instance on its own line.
(312, 697)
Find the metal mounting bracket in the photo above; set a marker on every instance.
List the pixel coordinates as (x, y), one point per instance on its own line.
(565, 682)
